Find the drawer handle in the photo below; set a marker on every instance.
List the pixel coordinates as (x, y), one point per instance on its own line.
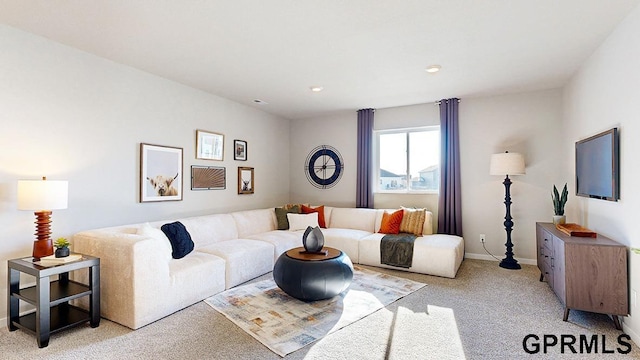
(545, 239)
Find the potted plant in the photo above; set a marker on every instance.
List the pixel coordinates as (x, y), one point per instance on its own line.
(62, 247)
(558, 204)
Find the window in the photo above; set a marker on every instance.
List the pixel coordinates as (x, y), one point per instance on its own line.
(408, 160)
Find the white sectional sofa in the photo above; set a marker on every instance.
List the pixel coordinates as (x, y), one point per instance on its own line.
(141, 282)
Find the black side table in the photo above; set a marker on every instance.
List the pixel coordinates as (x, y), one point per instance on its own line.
(51, 298)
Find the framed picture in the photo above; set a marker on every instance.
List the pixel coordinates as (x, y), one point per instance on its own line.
(160, 173)
(240, 150)
(209, 145)
(245, 180)
(208, 178)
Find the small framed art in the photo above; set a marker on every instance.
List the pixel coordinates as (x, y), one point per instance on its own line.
(209, 145)
(245, 180)
(160, 173)
(208, 178)
(240, 150)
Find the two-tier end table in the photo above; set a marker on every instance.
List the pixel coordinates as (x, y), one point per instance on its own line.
(51, 298)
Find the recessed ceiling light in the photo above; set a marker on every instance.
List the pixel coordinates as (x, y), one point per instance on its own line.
(316, 88)
(432, 69)
(260, 102)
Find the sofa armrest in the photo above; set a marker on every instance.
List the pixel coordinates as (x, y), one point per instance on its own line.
(133, 269)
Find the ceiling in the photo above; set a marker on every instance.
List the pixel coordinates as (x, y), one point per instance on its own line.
(365, 53)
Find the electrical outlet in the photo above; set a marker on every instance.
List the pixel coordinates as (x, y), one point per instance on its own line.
(482, 238)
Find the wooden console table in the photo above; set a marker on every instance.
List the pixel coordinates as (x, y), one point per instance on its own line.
(51, 298)
(588, 274)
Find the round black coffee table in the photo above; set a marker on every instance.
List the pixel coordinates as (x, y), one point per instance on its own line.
(311, 277)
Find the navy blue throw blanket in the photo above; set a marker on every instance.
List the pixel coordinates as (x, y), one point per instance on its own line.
(397, 250)
(179, 238)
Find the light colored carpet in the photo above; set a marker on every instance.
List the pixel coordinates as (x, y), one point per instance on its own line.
(484, 313)
(285, 324)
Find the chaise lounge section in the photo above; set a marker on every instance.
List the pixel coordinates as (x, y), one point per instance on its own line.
(141, 282)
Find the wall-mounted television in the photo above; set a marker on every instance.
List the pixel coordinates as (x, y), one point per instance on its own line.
(598, 166)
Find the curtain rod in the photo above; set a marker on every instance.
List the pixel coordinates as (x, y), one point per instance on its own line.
(438, 102)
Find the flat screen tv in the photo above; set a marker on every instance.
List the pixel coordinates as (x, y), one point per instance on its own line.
(598, 166)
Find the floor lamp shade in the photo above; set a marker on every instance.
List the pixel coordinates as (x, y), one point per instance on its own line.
(42, 196)
(506, 164)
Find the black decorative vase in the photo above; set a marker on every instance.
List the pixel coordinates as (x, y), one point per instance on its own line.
(313, 239)
(62, 252)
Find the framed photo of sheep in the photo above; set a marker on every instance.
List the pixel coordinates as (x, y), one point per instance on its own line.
(245, 180)
(160, 173)
(209, 145)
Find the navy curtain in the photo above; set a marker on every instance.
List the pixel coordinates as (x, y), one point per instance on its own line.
(449, 202)
(364, 190)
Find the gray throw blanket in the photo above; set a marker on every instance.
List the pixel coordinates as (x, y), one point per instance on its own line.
(397, 250)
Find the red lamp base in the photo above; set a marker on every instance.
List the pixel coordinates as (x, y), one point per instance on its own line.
(42, 248)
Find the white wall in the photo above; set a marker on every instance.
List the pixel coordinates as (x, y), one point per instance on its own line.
(74, 116)
(527, 123)
(604, 94)
(338, 131)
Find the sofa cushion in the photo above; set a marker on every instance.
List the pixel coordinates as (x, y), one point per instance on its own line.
(390, 223)
(192, 279)
(302, 221)
(352, 218)
(320, 210)
(291, 206)
(439, 255)
(253, 222)
(345, 240)
(427, 229)
(244, 259)
(281, 240)
(209, 229)
(281, 216)
(412, 221)
(179, 238)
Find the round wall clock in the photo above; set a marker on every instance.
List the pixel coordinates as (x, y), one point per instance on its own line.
(324, 167)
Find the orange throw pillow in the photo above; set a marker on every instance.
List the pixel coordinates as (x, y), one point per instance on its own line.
(320, 210)
(391, 222)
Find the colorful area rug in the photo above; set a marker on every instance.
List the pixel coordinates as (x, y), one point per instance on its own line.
(285, 324)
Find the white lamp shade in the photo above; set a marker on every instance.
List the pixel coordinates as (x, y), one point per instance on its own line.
(40, 195)
(507, 164)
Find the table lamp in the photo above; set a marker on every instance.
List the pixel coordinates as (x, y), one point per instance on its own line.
(42, 196)
(507, 164)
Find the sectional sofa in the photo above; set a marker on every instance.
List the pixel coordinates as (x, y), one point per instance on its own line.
(141, 282)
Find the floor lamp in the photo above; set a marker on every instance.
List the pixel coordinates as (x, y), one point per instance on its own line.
(507, 164)
(42, 196)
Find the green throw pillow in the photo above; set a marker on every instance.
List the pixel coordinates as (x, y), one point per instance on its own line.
(281, 216)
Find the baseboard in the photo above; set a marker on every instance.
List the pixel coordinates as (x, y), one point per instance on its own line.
(627, 330)
(490, 258)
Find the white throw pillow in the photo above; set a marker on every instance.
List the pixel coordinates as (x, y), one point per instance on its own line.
(301, 221)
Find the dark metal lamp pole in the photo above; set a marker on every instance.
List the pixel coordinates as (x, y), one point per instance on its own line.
(508, 262)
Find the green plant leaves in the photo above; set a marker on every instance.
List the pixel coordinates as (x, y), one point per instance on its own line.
(559, 200)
